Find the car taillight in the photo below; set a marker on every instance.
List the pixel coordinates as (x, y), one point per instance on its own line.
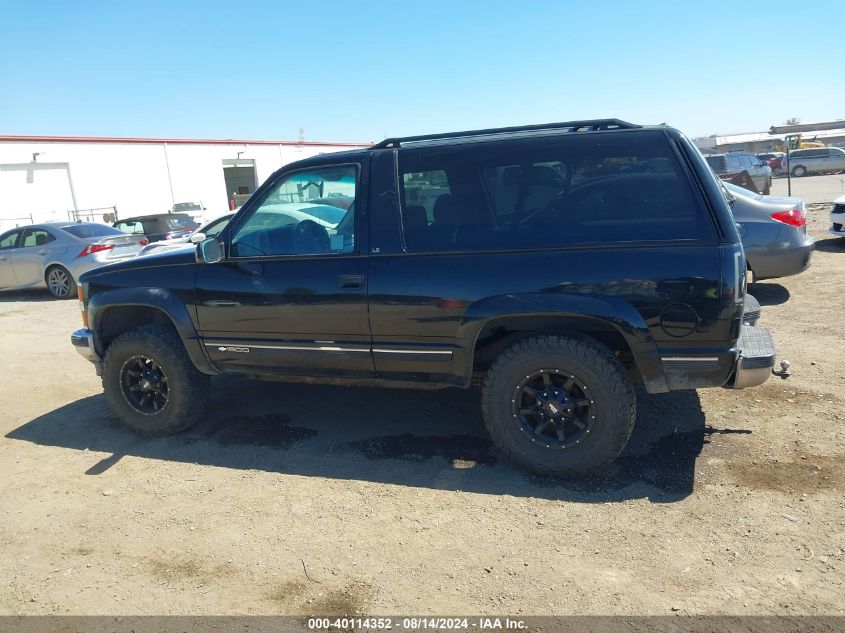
(95, 248)
(144, 241)
(793, 217)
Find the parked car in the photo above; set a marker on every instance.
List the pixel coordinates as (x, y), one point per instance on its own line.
(55, 254)
(194, 209)
(209, 230)
(824, 160)
(159, 226)
(837, 217)
(735, 163)
(563, 264)
(773, 232)
(775, 161)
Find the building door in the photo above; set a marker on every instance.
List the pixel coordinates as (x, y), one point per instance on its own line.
(240, 178)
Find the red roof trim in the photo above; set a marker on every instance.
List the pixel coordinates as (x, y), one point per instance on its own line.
(170, 141)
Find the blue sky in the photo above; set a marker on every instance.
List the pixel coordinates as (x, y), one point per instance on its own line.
(359, 71)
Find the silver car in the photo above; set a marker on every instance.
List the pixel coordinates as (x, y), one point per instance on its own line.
(773, 232)
(55, 254)
(817, 160)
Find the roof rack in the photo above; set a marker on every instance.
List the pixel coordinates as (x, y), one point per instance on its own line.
(593, 125)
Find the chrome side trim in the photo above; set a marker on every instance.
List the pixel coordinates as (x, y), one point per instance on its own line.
(411, 351)
(300, 348)
(325, 348)
(696, 359)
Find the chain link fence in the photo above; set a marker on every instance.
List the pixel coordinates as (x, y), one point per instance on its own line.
(788, 165)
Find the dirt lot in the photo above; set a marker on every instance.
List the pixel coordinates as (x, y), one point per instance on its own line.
(304, 499)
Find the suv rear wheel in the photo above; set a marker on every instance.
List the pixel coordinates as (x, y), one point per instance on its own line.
(151, 384)
(559, 405)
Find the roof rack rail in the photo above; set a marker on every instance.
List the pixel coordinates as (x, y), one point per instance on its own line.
(593, 125)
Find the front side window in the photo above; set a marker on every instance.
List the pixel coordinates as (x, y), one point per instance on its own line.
(552, 192)
(308, 212)
(9, 240)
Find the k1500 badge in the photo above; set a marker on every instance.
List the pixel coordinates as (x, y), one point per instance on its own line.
(240, 350)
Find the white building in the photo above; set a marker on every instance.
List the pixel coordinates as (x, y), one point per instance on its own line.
(44, 178)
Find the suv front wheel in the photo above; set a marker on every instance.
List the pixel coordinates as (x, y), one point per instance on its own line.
(151, 384)
(559, 405)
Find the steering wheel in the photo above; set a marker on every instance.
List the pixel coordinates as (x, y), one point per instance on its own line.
(310, 237)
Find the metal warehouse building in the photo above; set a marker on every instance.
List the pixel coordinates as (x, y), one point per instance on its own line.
(45, 178)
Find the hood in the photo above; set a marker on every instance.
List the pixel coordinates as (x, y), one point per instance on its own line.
(168, 257)
(839, 200)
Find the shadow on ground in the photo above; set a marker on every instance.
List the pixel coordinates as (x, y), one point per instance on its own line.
(32, 295)
(768, 293)
(432, 439)
(831, 245)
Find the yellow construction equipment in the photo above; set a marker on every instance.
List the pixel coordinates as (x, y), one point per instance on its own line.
(794, 141)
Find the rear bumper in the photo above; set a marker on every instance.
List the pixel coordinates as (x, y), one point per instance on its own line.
(756, 358)
(83, 341)
(789, 257)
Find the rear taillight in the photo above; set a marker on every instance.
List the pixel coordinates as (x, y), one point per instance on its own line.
(144, 241)
(793, 217)
(95, 248)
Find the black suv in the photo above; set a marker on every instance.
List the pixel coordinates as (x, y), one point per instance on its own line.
(561, 264)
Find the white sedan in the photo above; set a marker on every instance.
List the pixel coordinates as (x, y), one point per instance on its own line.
(837, 217)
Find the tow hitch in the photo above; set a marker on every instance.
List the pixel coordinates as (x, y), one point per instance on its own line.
(784, 372)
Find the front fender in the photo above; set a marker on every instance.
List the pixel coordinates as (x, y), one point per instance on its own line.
(160, 299)
(615, 312)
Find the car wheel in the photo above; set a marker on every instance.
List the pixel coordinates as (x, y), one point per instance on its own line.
(60, 282)
(150, 383)
(559, 405)
(799, 170)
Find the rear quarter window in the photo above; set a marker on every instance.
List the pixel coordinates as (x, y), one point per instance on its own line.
(551, 192)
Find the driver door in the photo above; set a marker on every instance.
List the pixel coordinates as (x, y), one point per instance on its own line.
(8, 241)
(291, 295)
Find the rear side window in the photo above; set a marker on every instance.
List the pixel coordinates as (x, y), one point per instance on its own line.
(180, 222)
(35, 237)
(548, 192)
(90, 230)
(130, 227)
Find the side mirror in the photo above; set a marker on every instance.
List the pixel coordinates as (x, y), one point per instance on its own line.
(196, 237)
(209, 251)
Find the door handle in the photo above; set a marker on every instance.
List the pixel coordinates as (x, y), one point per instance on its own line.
(350, 281)
(43, 251)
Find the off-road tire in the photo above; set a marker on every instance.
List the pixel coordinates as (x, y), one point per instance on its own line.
(188, 394)
(597, 367)
(59, 290)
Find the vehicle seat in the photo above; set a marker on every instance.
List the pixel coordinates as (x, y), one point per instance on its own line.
(415, 221)
(442, 230)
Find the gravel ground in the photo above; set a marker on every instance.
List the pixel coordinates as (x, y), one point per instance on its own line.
(301, 500)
